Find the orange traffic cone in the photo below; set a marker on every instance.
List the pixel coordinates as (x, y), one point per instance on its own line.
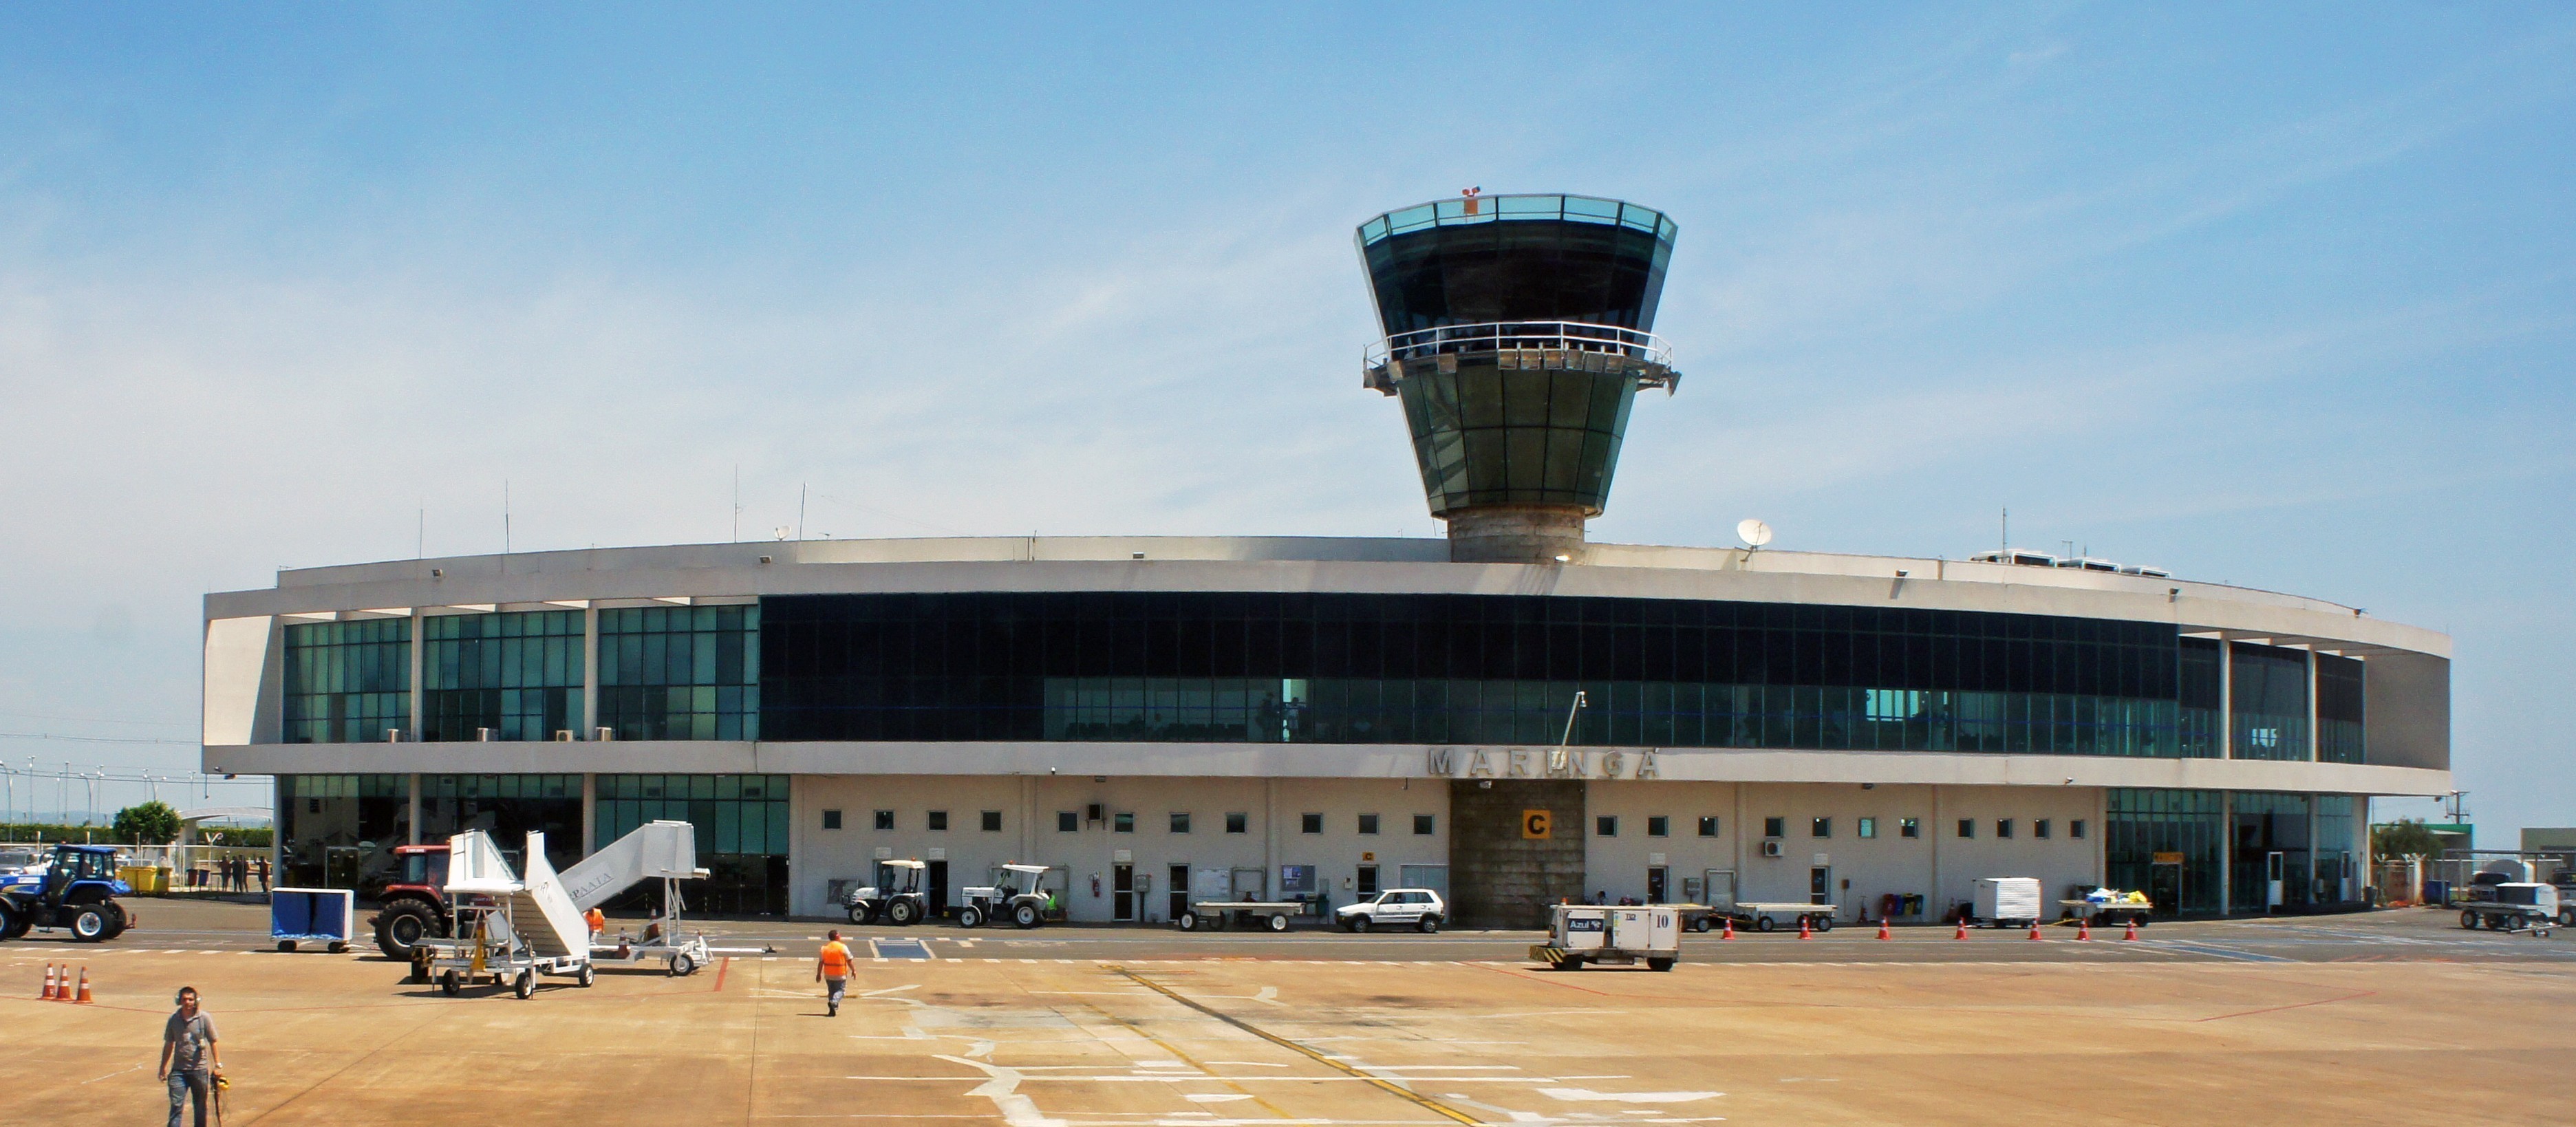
(2133, 928)
(1882, 928)
(1804, 932)
(2083, 929)
(1730, 929)
(1963, 929)
(48, 994)
(2034, 929)
(84, 988)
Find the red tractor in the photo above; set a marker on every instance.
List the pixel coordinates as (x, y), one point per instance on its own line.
(413, 905)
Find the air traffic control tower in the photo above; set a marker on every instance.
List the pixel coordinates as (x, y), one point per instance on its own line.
(1518, 333)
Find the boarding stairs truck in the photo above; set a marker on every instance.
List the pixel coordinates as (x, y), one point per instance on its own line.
(514, 928)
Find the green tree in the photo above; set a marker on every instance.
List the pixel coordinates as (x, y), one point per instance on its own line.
(2406, 838)
(152, 823)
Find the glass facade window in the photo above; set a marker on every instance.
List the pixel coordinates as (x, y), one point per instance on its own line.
(1775, 827)
(1066, 821)
(831, 819)
(1243, 667)
(1368, 824)
(2201, 698)
(507, 807)
(1821, 827)
(2268, 701)
(1180, 822)
(936, 821)
(991, 822)
(338, 831)
(2339, 851)
(1123, 822)
(2339, 709)
(347, 682)
(2166, 843)
(1517, 258)
(741, 823)
(1310, 823)
(1909, 827)
(680, 673)
(1495, 430)
(2264, 825)
(885, 819)
(518, 674)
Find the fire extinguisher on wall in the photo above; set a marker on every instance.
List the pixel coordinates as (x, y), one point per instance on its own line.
(1095, 886)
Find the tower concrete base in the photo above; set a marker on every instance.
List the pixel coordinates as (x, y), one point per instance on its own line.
(1516, 534)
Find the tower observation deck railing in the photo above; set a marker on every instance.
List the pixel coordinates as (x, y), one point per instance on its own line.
(1524, 344)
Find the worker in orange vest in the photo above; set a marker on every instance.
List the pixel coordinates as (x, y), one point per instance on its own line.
(598, 921)
(832, 969)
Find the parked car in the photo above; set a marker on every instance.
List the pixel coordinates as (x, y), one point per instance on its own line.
(1418, 908)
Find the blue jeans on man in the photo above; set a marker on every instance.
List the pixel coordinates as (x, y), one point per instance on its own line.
(185, 1083)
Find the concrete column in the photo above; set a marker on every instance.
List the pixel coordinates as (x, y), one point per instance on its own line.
(589, 813)
(589, 692)
(1270, 835)
(2226, 846)
(2226, 698)
(1937, 902)
(414, 778)
(417, 621)
(2311, 756)
(1028, 818)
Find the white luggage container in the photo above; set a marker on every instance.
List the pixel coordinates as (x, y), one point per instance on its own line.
(2007, 901)
(1587, 933)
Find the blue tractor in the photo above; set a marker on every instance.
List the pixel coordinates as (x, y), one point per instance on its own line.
(76, 894)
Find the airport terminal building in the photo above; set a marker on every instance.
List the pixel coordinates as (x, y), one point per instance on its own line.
(1510, 714)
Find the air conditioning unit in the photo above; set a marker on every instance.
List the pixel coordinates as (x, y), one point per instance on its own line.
(563, 735)
(1771, 847)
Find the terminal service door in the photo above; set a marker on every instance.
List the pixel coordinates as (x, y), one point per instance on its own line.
(1368, 881)
(1820, 885)
(1179, 890)
(1718, 885)
(936, 893)
(1655, 881)
(2164, 887)
(1122, 893)
(2272, 882)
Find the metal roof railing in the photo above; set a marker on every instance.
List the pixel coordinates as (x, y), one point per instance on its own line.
(1505, 209)
(1549, 344)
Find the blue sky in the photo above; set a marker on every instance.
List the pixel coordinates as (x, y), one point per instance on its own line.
(2279, 297)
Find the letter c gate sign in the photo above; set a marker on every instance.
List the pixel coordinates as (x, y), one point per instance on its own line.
(1535, 825)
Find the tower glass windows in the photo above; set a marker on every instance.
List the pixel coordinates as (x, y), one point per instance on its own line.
(518, 674)
(680, 673)
(347, 682)
(2267, 702)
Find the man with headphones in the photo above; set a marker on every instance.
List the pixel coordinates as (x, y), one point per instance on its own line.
(190, 1062)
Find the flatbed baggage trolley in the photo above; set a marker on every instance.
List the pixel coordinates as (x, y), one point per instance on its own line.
(1217, 915)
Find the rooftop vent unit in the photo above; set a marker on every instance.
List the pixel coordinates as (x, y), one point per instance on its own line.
(2016, 556)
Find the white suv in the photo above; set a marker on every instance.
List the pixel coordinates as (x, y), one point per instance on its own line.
(1420, 908)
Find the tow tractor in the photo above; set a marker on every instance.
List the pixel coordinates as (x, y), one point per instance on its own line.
(413, 906)
(1017, 894)
(895, 897)
(77, 893)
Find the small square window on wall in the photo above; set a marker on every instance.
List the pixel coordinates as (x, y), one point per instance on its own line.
(1238, 822)
(1368, 823)
(2075, 828)
(2003, 828)
(1909, 827)
(1659, 826)
(1708, 827)
(2039, 828)
(1068, 821)
(831, 819)
(1123, 822)
(1180, 821)
(1310, 823)
(1868, 827)
(885, 819)
(1606, 825)
(1775, 827)
(1967, 827)
(992, 820)
(1424, 825)
(938, 819)
(1821, 827)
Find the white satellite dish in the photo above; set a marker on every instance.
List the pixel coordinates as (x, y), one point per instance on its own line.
(1753, 532)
